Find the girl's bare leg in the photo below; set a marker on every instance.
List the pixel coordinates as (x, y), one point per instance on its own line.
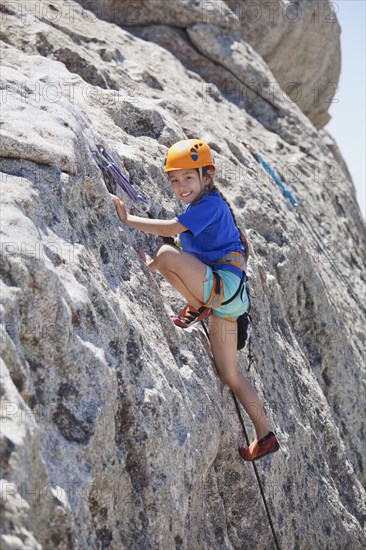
(223, 339)
(187, 274)
(183, 271)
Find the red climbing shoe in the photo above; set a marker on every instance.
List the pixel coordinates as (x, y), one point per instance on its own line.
(268, 444)
(189, 315)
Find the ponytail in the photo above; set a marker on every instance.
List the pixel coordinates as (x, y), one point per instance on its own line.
(242, 234)
(212, 187)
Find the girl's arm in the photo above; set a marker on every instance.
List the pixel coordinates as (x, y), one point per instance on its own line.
(164, 228)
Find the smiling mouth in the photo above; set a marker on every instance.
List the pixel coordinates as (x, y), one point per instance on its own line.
(185, 195)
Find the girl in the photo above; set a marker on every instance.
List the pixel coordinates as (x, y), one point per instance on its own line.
(207, 271)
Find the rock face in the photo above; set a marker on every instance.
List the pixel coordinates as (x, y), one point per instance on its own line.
(298, 39)
(300, 42)
(116, 431)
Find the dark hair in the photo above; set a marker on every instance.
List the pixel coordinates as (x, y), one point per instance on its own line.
(212, 187)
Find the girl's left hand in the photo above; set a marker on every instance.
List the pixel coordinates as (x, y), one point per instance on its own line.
(120, 207)
(146, 259)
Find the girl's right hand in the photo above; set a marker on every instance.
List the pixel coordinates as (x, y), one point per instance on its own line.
(120, 207)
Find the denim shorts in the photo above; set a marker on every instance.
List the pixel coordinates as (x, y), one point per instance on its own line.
(230, 283)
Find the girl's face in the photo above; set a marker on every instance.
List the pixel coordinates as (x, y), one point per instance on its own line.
(185, 184)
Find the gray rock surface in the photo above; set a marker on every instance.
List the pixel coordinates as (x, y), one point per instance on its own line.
(180, 13)
(300, 42)
(116, 431)
(298, 39)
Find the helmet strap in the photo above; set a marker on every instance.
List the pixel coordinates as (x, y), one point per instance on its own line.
(201, 178)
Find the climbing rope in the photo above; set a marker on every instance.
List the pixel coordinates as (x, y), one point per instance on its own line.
(303, 218)
(253, 463)
(335, 268)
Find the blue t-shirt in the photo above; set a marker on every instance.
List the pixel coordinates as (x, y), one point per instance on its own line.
(211, 231)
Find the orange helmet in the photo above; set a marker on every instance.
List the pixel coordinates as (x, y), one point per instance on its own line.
(188, 153)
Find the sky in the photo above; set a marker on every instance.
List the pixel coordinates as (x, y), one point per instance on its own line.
(347, 125)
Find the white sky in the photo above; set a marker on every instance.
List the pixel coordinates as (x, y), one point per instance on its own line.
(347, 126)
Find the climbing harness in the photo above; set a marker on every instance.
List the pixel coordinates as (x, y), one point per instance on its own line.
(303, 218)
(244, 321)
(216, 297)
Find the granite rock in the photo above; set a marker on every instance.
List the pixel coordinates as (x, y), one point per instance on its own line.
(298, 39)
(116, 430)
